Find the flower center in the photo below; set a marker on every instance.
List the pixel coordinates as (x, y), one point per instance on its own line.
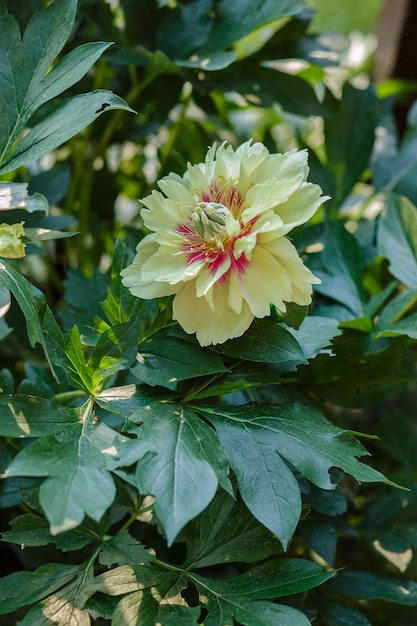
(215, 223)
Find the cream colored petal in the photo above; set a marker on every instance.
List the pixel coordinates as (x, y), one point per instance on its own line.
(212, 327)
(206, 278)
(169, 268)
(234, 293)
(288, 166)
(267, 195)
(161, 213)
(301, 277)
(265, 282)
(300, 206)
(175, 188)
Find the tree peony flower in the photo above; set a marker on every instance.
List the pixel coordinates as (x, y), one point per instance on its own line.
(11, 246)
(218, 240)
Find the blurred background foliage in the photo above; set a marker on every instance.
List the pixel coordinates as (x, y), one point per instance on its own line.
(292, 75)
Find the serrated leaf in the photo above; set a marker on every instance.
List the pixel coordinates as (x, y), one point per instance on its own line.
(123, 549)
(76, 463)
(15, 195)
(397, 239)
(170, 359)
(22, 588)
(181, 462)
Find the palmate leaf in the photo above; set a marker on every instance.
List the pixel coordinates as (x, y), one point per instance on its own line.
(259, 439)
(27, 82)
(180, 462)
(77, 463)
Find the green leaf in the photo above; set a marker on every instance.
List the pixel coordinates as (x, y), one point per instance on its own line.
(356, 114)
(300, 434)
(77, 464)
(66, 604)
(322, 538)
(235, 21)
(115, 350)
(370, 378)
(339, 267)
(272, 579)
(266, 86)
(28, 416)
(35, 309)
(261, 613)
(336, 614)
(15, 195)
(266, 484)
(225, 533)
(21, 588)
(170, 359)
(397, 239)
(365, 586)
(265, 341)
(26, 63)
(82, 298)
(181, 463)
(65, 121)
(315, 335)
(120, 306)
(123, 549)
(128, 578)
(29, 82)
(74, 361)
(31, 531)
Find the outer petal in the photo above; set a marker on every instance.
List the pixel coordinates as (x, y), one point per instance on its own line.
(212, 326)
(162, 213)
(132, 276)
(176, 189)
(301, 277)
(300, 207)
(265, 282)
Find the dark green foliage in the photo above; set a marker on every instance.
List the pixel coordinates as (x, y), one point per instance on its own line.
(148, 480)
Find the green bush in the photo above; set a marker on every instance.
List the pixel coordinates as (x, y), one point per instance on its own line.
(148, 479)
